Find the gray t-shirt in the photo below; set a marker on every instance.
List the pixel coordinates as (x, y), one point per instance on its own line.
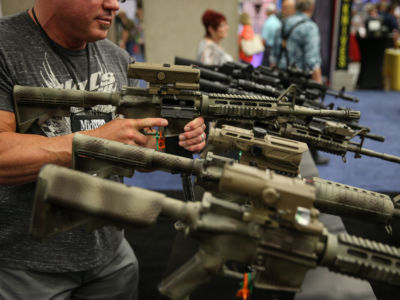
(28, 58)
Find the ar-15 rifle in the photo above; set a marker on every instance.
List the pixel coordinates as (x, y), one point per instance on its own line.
(233, 70)
(278, 234)
(302, 78)
(172, 94)
(257, 148)
(244, 79)
(329, 136)
(104, 157)
(271, 77)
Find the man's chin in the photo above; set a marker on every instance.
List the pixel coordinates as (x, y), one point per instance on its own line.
(104, 27)
(100, 34)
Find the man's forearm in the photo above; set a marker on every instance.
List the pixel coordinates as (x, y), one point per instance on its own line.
(22, 155)
(317, 75)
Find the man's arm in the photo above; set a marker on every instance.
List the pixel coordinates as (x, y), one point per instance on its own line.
(22, 155)
(317, 74)
(276, 47)
(312, 52)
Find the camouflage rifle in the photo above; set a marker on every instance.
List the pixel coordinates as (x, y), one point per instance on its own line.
(172, 94)
(278, 234)
(103, 157)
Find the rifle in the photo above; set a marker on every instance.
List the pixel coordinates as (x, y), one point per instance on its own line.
(270, 77)
(318, 133)
(330, 136)
(103, 157)
(257, 148)
(302, 78)
(232, 71)
(278, 234)
(172, 94)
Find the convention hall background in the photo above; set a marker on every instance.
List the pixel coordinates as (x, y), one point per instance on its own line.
(173, 28)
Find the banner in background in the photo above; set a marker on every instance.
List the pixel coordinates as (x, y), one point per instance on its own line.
(342, 58)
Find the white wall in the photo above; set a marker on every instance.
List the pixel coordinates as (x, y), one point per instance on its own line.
(10, 7)
(129, 7)
(174, 28)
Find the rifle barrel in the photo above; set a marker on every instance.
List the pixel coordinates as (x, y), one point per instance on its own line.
(342, 96)
(303, 111)
(372, 153)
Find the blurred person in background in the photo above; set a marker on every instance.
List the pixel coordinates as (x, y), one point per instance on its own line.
(302, 46)
(209, 50)
(269, 30)
(390, 22)
(247, 33)
(288, 8)
(373, 22)
(139, 31)
(389, 18)
(126, 38)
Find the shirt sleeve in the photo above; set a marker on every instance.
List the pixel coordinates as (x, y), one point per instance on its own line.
(312, 47)
(276, 47)
(264, 31)
(6, 87)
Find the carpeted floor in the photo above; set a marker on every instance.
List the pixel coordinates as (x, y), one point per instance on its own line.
(380, 111)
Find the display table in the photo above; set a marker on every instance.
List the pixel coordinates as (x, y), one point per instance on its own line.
(391, 69)
(372, 51)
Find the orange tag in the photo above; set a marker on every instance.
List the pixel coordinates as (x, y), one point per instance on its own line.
(160, 140)
(244, 292)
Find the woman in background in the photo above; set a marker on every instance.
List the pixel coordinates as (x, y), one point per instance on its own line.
(247, 33)
(209, 51)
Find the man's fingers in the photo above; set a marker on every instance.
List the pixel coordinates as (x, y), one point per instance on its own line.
(191, 134)
(137, 138)
(148, 122)
(196, 148)
(196, 123)
(196, 140)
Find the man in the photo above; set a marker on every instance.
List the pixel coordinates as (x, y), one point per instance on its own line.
(62, 44)
(288, 8)
(270, 27)
(302, 46)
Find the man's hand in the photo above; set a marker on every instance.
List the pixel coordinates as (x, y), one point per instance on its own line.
(128, 131)
(194, 137)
